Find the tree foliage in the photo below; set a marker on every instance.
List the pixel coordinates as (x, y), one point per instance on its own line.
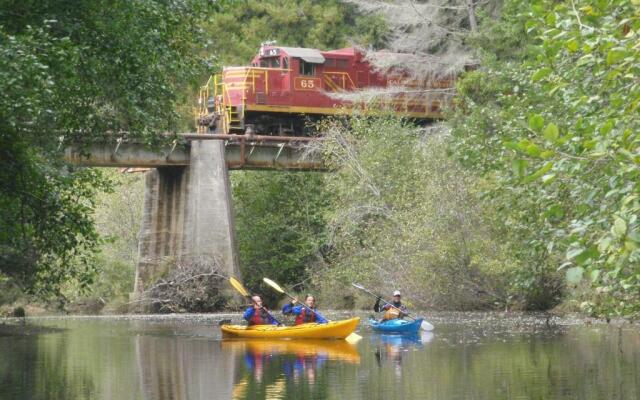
(554, 128)
(280, 223)
(237, 28)
(74, 71)
(117, 217)
(403, 215)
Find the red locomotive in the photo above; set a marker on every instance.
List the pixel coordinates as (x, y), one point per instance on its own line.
(287, 87)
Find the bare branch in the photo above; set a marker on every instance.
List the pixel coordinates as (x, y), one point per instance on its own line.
(188, 286)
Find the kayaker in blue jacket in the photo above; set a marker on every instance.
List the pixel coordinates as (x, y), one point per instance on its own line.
(257, 314)
(303, 315)
(392, 310)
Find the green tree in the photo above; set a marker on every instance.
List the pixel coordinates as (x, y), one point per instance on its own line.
(554, 128)
(238, 28)
(74, 71)
(117, 218)
(280, 223)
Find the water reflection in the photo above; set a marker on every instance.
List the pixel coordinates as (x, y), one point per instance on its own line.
(276, 369)
(187, 368)
(185, 359)
(392, 349)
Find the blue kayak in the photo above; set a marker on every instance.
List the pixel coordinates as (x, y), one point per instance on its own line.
(396, 325)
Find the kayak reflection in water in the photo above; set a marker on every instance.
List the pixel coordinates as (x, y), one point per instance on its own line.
(392, 350)
(257, 313)
(303, 314)
(392, 310)
(303, 367)
(256, 362)
(270, 368)
(286, 366)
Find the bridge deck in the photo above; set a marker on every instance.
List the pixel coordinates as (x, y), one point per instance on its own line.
(241, 152)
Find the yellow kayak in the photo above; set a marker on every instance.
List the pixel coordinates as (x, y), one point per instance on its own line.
(333, 349)
(330, 330)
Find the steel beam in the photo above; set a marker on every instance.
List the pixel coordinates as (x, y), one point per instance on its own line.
(271, 157)
(239, 154)
(122, 154)
(249, 138)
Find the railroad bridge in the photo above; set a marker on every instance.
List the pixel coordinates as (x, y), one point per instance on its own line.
(188, 212)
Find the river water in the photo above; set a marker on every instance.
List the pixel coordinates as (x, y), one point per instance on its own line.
(483, 356)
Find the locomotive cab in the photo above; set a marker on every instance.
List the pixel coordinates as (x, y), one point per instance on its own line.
(278, 61)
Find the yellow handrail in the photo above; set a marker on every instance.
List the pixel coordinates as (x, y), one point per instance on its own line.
(203, 98)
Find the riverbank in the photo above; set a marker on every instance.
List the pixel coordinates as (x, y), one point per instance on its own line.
(514, 320)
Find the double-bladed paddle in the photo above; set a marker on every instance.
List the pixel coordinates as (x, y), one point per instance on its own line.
(425, 326)
(352, 338)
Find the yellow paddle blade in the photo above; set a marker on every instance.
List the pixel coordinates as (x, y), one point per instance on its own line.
(273, 285)
(238, 286)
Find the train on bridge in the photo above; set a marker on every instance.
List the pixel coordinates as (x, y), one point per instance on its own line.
(286, 89)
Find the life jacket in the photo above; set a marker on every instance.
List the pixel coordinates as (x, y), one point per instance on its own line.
(260, 317)
(305, 316)
(391, 312)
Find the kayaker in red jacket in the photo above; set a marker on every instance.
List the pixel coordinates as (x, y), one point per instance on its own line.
(391, 312)
(303, 315)
(257, 314)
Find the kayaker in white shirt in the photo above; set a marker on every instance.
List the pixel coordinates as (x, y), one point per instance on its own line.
(392, 310)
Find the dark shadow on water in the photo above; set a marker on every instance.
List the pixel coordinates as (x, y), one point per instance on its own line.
(20, 328)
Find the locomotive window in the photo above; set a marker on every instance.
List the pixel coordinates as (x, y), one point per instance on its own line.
(307, 68)
(330, 62)
(275, 63)
(342, 63)
(264, 63)
(285, 62)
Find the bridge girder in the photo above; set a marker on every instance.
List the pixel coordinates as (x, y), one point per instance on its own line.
(241, 152)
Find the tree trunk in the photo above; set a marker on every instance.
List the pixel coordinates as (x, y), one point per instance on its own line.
(472, 16)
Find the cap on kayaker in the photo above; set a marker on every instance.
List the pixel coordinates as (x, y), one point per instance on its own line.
(396, 293)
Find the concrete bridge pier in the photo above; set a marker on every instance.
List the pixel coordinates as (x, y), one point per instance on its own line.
(188, 215)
